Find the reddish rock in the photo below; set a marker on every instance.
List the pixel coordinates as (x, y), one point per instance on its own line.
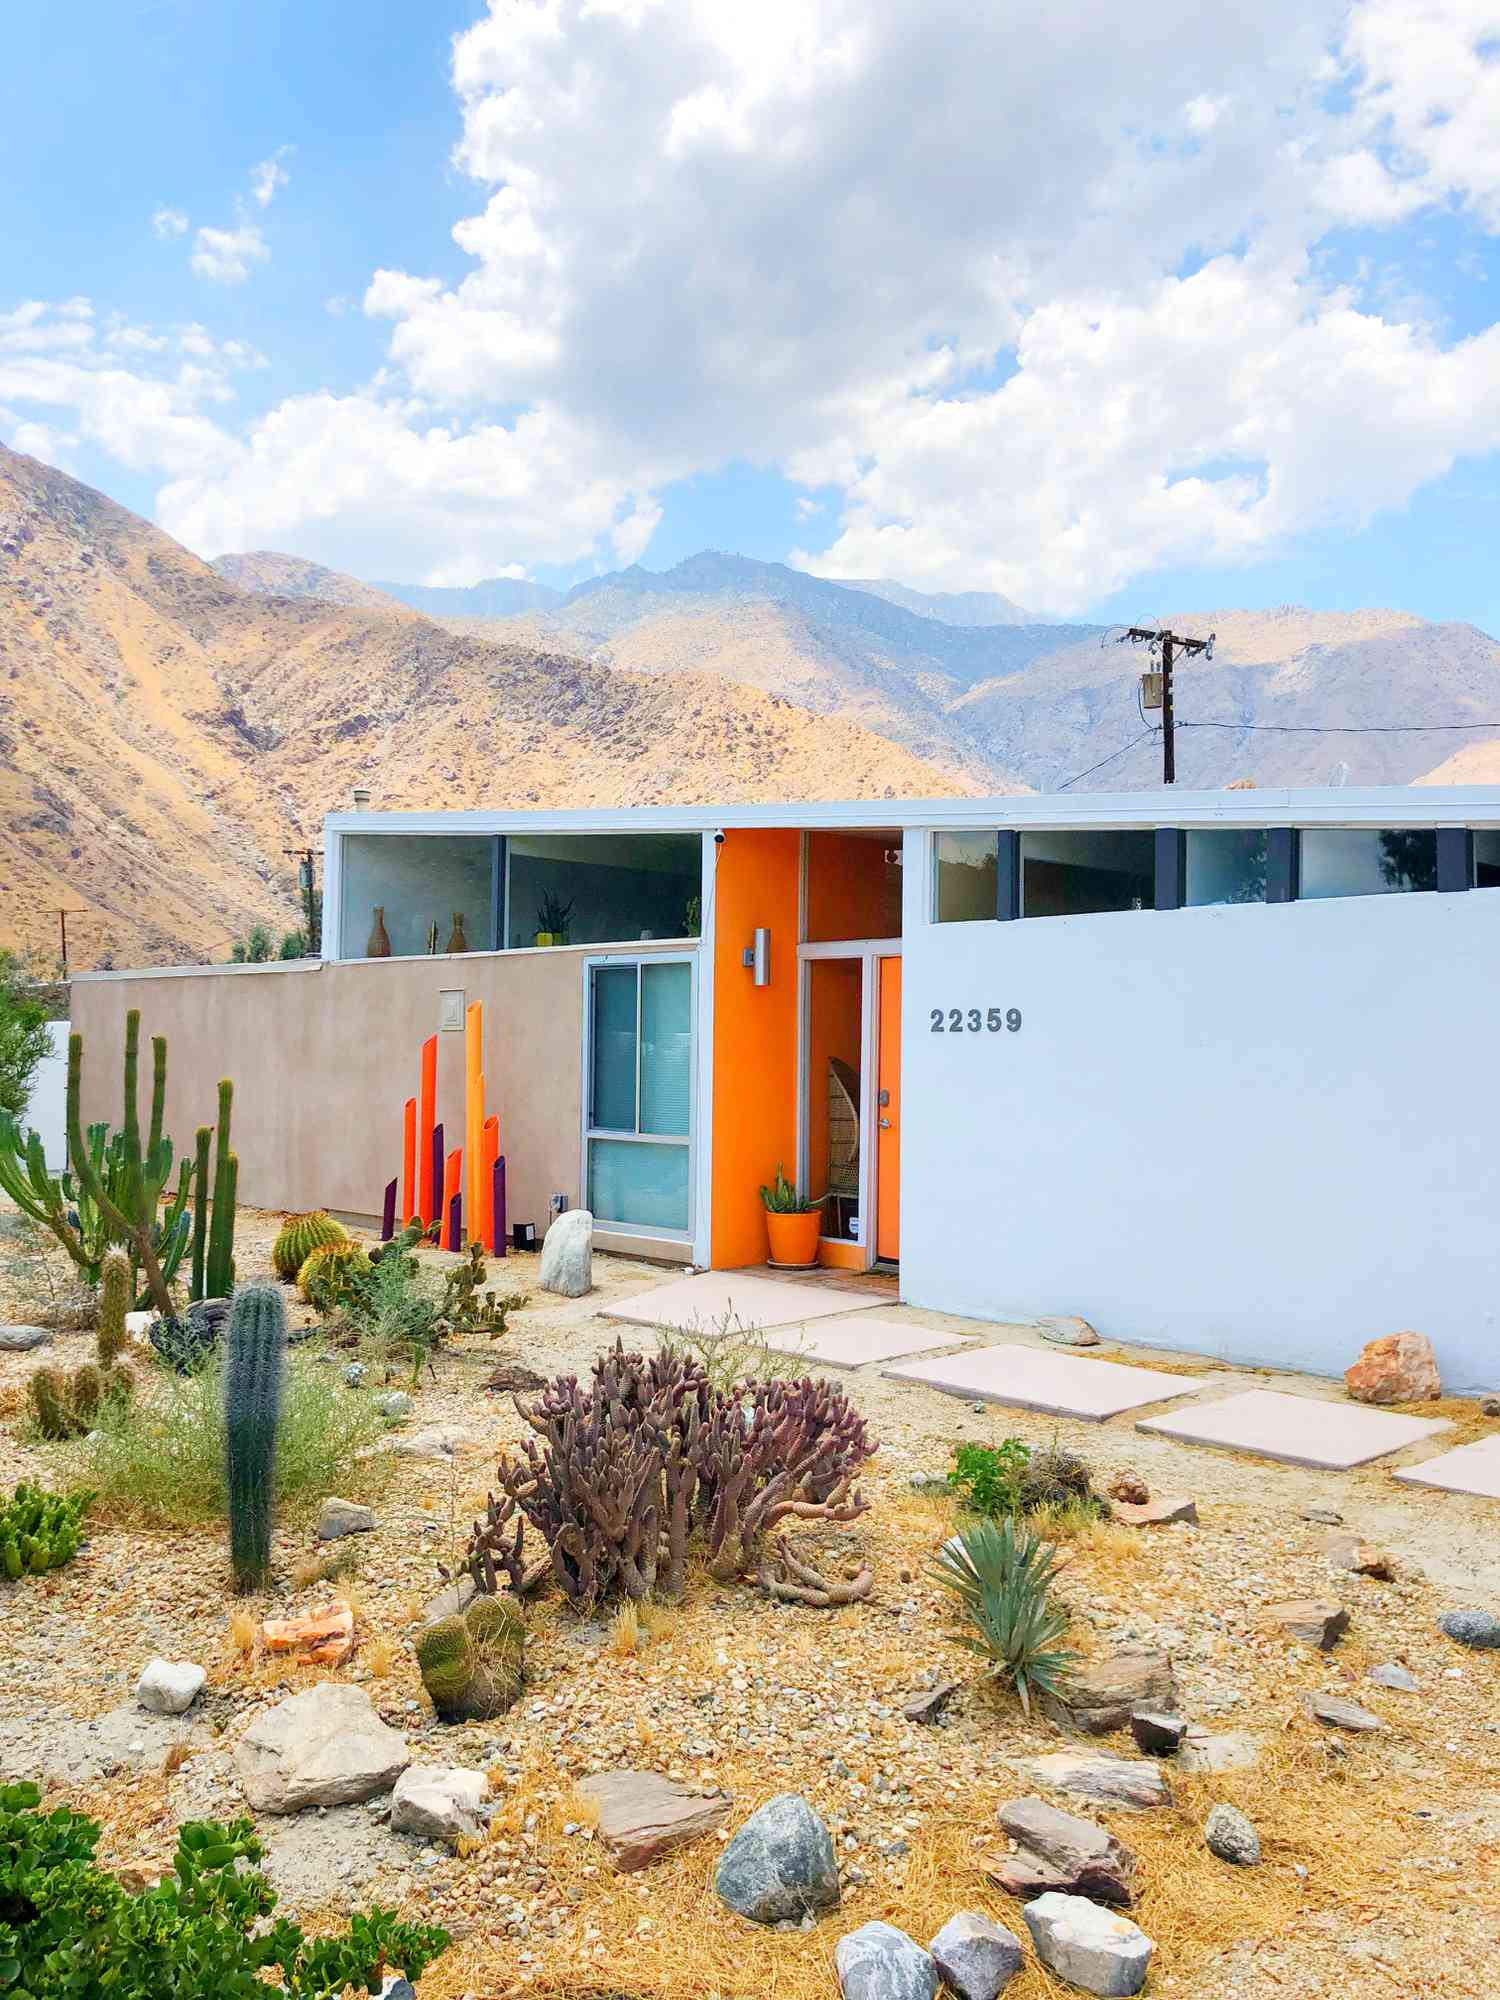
(1103, 1694)
(1158, 1513)
(1397, 1368)
(1129, 1487)
(1057, 1850)
(643, 1816)
(1311, 1622)
(323, 1638)
(1348, 1552)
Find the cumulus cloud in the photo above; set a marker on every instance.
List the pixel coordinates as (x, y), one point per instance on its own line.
(1031, 298)
(225, 255)
(169, 222)
(268, 176)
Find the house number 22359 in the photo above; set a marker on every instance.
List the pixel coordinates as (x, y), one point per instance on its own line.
(969, 1020)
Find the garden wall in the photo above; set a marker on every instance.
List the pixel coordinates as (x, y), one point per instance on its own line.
(324, 1055)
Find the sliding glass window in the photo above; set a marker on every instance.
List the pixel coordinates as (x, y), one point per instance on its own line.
(640, 1094)
(404, 894)
(1343, 861)
(964, 881)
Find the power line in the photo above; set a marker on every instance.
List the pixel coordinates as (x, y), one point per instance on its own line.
(1106, 760)
(1344, 728)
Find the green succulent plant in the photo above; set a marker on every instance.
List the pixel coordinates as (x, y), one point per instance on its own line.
(299, 1236)
(1002, 1576)
(472, 1663)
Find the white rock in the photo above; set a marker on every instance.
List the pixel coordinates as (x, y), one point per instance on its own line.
(568, 1255)
(1067, 1330)
(1136, 1782)
(1092, 1947)
(437, 1802)
(324, 1747)
(138, 1324)
(878, 1962)
(976, 1957)
(343, 1517)
(169, 1687)
(21, 1339)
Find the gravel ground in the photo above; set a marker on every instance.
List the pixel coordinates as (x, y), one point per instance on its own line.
(1380, 1871)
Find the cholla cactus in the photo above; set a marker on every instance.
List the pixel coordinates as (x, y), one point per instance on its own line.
(254, 1365)
(299, 1236)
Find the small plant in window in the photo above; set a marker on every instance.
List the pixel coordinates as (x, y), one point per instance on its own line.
(692, 917)
(553, 916)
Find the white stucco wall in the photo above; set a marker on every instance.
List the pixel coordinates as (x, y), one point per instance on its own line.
(1262, 1133)
(47, 1109)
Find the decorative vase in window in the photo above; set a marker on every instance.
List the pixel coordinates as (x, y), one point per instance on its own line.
(456, 939)
(379, 945)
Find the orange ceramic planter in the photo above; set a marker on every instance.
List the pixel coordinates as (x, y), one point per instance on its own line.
(794, 1238)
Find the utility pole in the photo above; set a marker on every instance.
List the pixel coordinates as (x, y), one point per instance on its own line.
(303, 856)
(1156, 687)
(62, 921)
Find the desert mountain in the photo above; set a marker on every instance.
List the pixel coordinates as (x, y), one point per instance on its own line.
(950, 607)
(499, 597)
(164, 736)
(1291, 696)
(274, 575)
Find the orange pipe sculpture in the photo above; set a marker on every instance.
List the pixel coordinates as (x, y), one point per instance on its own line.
(489, 1152)
(473, 1113)
(409, 1161)
(452, 1171)
(426, 1119)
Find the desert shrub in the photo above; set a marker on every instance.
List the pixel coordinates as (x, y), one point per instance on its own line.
(406, 1312)
(70, 1930)
(729, 1352)
(1058, 1478)
(161, 1460)
(1002, 1575)
(649, 1455)
(987, 1478)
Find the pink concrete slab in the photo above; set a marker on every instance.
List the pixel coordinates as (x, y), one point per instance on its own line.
(1298, 1430)
(1034, 1378)
(835, 1345)
(754, 1301)
(1472, 1468)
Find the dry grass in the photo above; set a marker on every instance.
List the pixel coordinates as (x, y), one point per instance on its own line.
(243, 1626)
(380, 1656)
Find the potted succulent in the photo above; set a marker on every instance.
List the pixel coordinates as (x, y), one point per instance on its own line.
(793, 1223)
(552, 919)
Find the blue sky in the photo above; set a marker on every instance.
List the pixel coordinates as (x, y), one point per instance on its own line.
(876, 289)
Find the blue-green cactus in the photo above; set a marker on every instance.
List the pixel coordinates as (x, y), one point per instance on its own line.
(254, 1366)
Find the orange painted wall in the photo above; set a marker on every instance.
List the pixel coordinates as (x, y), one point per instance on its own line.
(754, 1038)
(850, 891)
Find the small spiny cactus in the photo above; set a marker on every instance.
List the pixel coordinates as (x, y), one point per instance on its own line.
(114, 1303)
(299, 1236)
(472, 1662)
(328, 1276)
(51, 1404)
(254, 1365)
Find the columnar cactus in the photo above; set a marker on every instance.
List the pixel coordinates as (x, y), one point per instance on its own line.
(218, 1276)
(299, 1236)
(114, 1303)
(254, 1366)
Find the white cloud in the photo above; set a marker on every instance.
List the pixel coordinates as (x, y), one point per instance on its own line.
(169, 222)
(269, 175)
(1041, 328)
(226, 255)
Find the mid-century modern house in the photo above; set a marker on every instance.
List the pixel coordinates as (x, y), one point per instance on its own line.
(1217, 1070)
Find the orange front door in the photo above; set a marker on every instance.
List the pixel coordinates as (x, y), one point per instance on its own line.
(888, 1115)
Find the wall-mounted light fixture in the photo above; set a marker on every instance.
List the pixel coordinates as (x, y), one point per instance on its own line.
(757, 957)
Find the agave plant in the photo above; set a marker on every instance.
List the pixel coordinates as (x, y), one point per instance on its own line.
(1002, 1576)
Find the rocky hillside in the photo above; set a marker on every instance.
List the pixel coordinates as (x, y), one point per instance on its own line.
(290, 576)
(164, 735)
(1291, 696)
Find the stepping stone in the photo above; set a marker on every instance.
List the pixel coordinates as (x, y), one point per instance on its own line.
(861, 1342)
(1035, 1378)
(1472, 1468)
(1297, 1430)
(687, 1303)
(643, 1816)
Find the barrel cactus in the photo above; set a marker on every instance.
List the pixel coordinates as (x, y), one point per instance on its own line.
(330, 1273)
(299, 1236)
(254, 1366)
(472, 1663)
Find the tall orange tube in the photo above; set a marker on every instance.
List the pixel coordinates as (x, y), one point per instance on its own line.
(426, 1119)
(489, 1152)
(452, 1173)
(473, 1112)
(408, 1162)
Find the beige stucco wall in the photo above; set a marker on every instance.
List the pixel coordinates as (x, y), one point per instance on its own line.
(324, 1056)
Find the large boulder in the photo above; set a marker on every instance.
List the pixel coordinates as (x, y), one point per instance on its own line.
(1396, 1368)
(779, 1867)
(438, 1802)
(323, 1747)
(878, 1962)
(568, 1255)
(1104, 1694)
(1480, 1629)
(976, 1958)
(643, 1815)
(1092, 1948)
(1056, 1850)
(22, 1339)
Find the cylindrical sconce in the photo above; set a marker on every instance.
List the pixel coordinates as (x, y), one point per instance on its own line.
(757, 958)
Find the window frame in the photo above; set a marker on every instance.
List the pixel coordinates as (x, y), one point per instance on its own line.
(638, 961)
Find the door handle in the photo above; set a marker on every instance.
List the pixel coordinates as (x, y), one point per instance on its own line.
(885, 1124)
